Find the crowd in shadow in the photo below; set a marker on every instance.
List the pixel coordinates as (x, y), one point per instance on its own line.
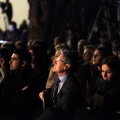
(29, 73)
(75, 79)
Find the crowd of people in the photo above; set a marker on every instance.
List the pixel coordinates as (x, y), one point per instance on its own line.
(67, 84)
(77, 79)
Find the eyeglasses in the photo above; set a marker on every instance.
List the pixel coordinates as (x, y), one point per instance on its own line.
(97, 55)
(60, 60)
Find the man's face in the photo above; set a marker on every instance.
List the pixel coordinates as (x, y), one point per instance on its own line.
(60, 66)
(86, 55)
(15, 63)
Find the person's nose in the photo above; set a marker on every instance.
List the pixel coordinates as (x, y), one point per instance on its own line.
(10, 61)
(94, 56)
(104, 74)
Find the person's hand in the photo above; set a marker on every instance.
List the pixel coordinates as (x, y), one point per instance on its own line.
(41, 96)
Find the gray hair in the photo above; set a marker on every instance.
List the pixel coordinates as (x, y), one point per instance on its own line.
(69, 58)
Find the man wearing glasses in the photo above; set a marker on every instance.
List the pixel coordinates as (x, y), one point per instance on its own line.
(66, 99)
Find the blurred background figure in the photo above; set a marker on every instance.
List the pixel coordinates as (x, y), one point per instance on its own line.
(12, 33)
(58, 40)
(9, 45)
(23, 31)
(87, 53)
(5, 56)
(7, 9)
(20, 45)
(71, 38)
(115, 46)
(1, 34)
(40, 60)
(80, 48)
(118, 54)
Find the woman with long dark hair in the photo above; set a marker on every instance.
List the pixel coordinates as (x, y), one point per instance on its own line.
(106, 100)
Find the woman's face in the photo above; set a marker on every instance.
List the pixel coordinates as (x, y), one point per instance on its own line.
(106, 72)
(97, 58)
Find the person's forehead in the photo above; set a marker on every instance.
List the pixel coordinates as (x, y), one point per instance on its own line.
(86, 49)
(96, 51)
(15, 55)
(106, 67)
(57, 53)
(61, 57)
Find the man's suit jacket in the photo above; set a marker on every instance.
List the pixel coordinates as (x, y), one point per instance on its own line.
(69, 98)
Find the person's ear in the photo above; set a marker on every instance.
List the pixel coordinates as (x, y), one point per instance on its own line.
(24, 63)
(68, 66)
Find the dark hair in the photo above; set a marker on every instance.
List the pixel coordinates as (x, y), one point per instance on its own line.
(58, 40)
(61, 46)
(20, 44)
(41, 60)
(106, 44)
(113, 62)
(5, 53)
(104, 52)
(9, 45)
(24, 55)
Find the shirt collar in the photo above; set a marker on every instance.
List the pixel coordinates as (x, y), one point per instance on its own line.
(63, 78)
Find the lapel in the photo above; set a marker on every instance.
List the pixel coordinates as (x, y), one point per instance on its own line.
(63, 87)
(66, 83)
(55, 89)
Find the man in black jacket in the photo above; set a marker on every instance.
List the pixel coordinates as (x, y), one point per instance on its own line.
(68, 98)
(19, 94)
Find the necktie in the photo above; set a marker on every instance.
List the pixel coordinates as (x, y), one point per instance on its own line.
(56, 91)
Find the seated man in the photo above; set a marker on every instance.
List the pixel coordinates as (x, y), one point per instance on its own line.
(19, 93)
(61, 102)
